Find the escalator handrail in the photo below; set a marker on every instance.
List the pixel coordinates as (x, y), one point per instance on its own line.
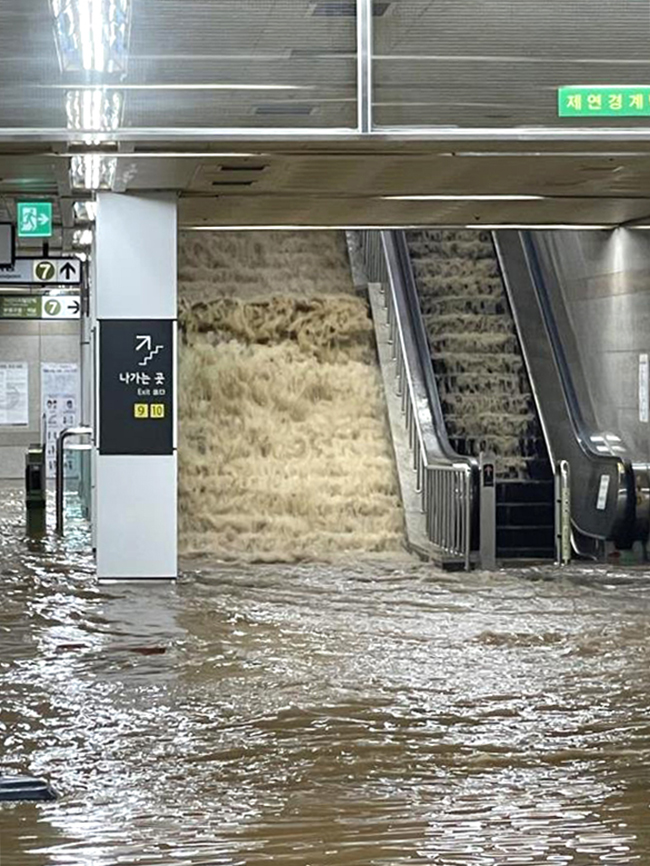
(623, 469)
(398, 246)
(417, 348)
(448, 484)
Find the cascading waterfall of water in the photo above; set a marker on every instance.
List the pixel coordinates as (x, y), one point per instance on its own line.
(480, 372)
(284, 446)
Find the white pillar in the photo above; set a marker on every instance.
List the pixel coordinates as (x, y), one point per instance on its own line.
(135, 408)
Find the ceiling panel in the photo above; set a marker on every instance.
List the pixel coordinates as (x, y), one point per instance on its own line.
(191, 63)
(499, 63)
(303, 211)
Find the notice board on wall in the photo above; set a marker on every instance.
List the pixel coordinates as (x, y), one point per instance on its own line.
(59, 405)
(14, 394)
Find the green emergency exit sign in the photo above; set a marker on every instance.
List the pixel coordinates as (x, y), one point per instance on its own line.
(34, 219)
(625, 101)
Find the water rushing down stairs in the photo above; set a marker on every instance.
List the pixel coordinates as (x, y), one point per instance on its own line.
(483, 383)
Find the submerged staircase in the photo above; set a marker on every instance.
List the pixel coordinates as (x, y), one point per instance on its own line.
(483, 383)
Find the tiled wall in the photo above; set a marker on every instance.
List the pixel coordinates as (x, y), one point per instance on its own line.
(34, 343)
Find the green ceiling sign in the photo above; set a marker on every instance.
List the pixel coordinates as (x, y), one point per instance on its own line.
(627, 101)
(34, 219)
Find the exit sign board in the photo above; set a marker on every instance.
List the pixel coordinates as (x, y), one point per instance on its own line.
(625, 101)
(34, 219)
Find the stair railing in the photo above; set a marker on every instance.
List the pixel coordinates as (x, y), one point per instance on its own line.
(446, 487)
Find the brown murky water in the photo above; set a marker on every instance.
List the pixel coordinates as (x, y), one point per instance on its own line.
(306, 715)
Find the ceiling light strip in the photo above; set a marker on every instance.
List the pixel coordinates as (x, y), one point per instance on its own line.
(366, 227)
(470, 198)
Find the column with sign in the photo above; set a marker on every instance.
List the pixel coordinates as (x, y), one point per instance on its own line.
(135, 416)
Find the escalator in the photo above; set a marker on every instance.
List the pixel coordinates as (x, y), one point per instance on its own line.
(505, 374)
(481, 380)
(610, 490)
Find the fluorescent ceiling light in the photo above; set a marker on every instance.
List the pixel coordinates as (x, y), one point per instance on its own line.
(445, 197)
(92, 35)
(94, 110)
(192, 87)
(92, 172)
(365, 227)
(170, 154)
(84, 211)
(589, 227)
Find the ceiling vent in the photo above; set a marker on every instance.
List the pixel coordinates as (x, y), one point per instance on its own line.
(296, 109)
(233, 182)
(310, 53)
(345, 8)
(251, 168)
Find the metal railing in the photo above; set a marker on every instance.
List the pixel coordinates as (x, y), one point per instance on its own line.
(60, 471)
(445, 487)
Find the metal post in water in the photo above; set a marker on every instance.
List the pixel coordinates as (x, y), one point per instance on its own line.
(35, 491)
(488, 528)
(563, 513)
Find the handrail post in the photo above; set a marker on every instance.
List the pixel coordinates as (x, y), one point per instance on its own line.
(60, 472)
(563, 513)
(467, 535)
(488, 528)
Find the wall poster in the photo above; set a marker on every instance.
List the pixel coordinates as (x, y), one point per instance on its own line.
(60, 407)
(14, 394)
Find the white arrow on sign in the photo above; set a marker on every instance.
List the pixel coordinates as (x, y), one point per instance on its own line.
(146, 345)
(61, 307)
(43, 219)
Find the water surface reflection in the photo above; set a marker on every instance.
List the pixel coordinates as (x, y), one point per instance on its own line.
(361, 714)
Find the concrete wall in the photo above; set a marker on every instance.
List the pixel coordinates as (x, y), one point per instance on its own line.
(35, 343)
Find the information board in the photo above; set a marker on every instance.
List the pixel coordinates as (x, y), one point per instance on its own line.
(60, 389)
(14, 394)
(136, 386)
(40, 307)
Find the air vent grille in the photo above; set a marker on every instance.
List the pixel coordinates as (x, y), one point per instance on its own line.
(345, 9)
(295, 109)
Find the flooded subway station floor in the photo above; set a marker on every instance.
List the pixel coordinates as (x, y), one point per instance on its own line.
(314, 714)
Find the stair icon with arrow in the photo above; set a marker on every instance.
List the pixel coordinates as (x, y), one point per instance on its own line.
(145, 344)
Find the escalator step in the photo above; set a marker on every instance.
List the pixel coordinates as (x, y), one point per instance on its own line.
(522, 492)
(532, 553)
(525, 514)
(528, 536)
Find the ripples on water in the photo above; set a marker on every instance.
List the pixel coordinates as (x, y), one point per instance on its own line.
(362, 714)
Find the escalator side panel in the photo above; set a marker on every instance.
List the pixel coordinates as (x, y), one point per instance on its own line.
(599, 483)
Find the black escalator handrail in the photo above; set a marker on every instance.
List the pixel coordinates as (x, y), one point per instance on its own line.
(624, 496)
(564, 372)
(397, 239)
(398, 254)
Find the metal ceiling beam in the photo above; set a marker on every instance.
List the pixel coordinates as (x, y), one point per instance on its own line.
(381, 134)
(364, 65)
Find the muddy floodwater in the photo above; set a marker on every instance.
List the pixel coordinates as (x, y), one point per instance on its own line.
(317, 714)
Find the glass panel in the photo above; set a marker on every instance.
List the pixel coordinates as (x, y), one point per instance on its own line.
(472, 63)
(177, 64)
(76, 495)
